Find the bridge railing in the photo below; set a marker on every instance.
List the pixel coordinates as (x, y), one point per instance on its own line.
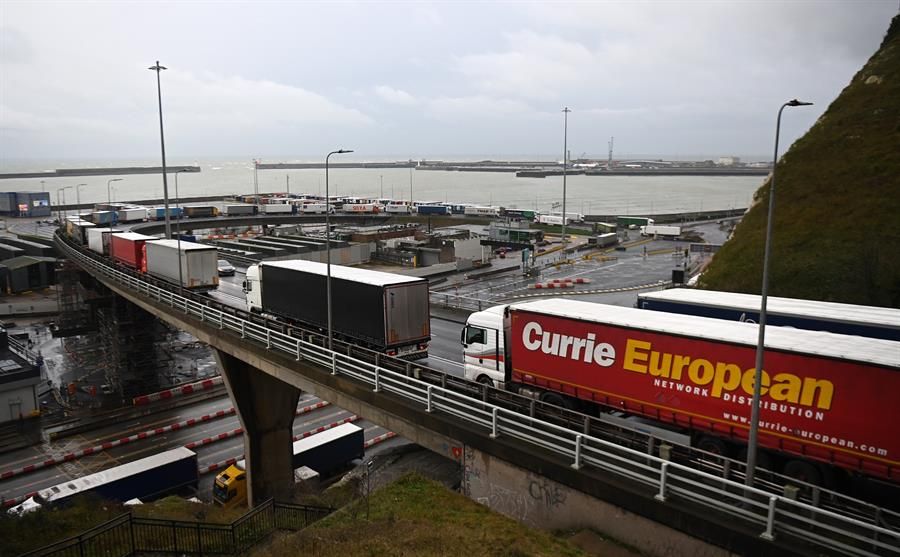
(748, 508)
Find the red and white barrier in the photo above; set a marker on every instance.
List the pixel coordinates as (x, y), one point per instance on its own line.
(379, 438)
(177, 391)
(560, 283)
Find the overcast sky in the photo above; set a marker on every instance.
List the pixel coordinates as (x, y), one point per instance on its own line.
(282, 80)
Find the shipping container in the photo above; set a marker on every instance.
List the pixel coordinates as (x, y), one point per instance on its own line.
(384, 311)
(195, 264)
(234, 210)
(200, 211)
(128, 248)
(131, 214)
(846, 319)
(99, 238)
(825, 397)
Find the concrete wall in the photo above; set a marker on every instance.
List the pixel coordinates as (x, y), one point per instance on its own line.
(350, 255)
(538, 501)
(469, 249)
(17, 398)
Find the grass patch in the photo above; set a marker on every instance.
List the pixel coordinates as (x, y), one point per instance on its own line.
(835, 229)
(416, 516)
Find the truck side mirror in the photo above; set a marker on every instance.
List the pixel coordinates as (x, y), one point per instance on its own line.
(462, 337)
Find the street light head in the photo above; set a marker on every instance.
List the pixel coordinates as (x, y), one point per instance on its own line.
(795, 102)
(157, 67)
(345, 151)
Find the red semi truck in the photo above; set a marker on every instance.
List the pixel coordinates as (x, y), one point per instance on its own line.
(826, 399)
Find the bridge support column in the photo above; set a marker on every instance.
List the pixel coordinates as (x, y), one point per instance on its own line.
(266, 408)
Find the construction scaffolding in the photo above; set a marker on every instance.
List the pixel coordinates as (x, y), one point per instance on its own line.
(129, 335)
(75, 317)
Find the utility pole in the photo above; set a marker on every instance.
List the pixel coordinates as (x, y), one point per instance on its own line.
(566, 112)
(287, 183)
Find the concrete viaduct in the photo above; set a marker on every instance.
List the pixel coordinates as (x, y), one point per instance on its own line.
(529, 481)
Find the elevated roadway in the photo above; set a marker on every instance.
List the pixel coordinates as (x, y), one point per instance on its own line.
(543, 465)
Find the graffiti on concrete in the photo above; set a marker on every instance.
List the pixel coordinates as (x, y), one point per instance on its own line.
(548, 493)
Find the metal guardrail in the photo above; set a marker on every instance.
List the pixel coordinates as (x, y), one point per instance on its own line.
(130, 535)
(748, 508)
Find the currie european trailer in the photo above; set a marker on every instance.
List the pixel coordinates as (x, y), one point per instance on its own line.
(382, 311)
(324, 452)
(128, 248)
(846, 319)
(828, 402)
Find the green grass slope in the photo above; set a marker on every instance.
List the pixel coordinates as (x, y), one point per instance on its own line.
(836, 231)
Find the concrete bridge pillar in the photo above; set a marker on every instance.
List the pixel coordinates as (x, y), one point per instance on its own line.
(266, 408)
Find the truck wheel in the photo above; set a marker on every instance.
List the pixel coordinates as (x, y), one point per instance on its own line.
(713, 445)
(485, 380)
(803, 471)
(557, 400)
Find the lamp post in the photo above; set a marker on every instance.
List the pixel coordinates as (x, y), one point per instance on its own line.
(178, 227)
(328, 240)
(760, 344)
(566, 112)
(59, 206)
(42, 186)
(162, 143)
(78, 197)
(109, 190)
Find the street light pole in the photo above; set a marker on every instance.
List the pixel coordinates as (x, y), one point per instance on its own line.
(162, 143)
(328, 240)
(108, 189)
(760, 344)
(59, 205)
(78, 197)
(178, 227)
(566, 112)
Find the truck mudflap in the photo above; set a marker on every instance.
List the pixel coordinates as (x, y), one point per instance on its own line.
(411, 352)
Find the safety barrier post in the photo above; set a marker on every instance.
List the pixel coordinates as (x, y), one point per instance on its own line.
(428, 407)
(268, 339)
(663, 477)
(770, 520)
(243, 329)
(494, 433)
(577, 464)
(334, 363)
(298, 350)
(221, 320)
(202, 314)
(377, 379)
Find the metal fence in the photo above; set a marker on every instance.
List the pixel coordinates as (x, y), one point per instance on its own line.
(130, 535)
(749, 508)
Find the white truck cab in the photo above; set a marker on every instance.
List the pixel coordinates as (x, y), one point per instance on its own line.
(483, 346)
(252, 289)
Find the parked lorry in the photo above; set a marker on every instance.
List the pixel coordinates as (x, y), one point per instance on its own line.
(847, 319)
(324, 452)
(144, 479)
(99, 238)
(196, 265)
(666, 231)
(128, 248)
(159, 213)
(104, 217)
(482, 211)
(200, 211)
(364, 208)
(383, 311)
(556, 219)
(131, 214)
(398, 208)
(633, 222)
(276, 209)
(433, 210)
(242, 209)
(313, 208)
(826, 398)
(77, 229)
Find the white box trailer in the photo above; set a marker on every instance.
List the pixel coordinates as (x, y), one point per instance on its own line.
(276, 208)
(660, 230)
(199, 263)
(313, 208)
(132, 214)
(98, 239)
